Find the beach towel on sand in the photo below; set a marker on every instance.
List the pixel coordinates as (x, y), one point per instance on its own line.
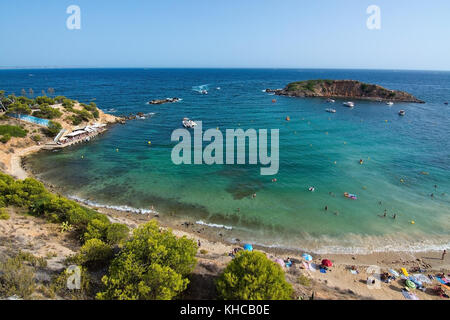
(422, 278)
(313, 267)
(444, 282)
(409, 295)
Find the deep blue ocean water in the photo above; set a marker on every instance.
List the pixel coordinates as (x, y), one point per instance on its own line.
(316, 148)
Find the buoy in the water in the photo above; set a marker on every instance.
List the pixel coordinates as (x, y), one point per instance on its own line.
(149, 142)
(273, 100)
(413, 222)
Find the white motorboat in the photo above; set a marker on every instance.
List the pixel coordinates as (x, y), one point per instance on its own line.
(187, 123)
(330, 110)
(390, 103)
(401, 113)
(331, 100)
(349, 104)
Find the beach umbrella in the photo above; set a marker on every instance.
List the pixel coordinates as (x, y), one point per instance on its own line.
(248, 247)
(280, 262)
(327, 263)
(410, 284)
(307, 257)
(416, 281)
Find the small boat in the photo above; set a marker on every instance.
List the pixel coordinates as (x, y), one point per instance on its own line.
(349, 104)
(204, 92)
(331, 100)
(390, 103)
(187, 123)
(401, 113)
(330, 110)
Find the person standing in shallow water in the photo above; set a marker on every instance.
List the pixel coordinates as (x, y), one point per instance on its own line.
(443, 254)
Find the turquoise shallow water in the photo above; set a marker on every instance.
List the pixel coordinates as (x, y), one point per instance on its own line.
(316, 148)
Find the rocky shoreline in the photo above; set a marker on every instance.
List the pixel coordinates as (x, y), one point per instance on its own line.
(348, 89)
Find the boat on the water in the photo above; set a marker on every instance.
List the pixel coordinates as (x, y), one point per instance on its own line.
(390, 103)
(401, 113)
(331, 100)
(187, 123)
(330, 110)
(349, 104)
(204, 92)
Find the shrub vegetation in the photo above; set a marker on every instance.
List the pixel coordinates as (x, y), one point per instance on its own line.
(252, 276)
(153, 265)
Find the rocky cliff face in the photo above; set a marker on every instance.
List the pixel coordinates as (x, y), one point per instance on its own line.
(344, 89)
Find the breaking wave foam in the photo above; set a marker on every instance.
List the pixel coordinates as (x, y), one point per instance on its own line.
(118, 208)
(213, 225)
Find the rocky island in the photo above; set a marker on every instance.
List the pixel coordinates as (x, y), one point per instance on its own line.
(343, 89)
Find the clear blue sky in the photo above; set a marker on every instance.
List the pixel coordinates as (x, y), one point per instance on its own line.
(414, 34)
